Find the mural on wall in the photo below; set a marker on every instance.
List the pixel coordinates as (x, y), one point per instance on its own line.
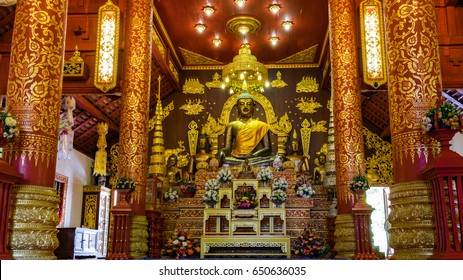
(193, 106)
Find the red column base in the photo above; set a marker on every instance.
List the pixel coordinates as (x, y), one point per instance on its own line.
(447, 256)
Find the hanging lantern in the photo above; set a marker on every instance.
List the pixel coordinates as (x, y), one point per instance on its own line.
(107, 47)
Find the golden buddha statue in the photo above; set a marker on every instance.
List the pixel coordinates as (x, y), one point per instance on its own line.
(294, 160)
(200, 161)
(319, 169)
(174, 174)
(246, 137)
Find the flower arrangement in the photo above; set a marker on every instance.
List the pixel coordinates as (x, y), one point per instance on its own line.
(10, 128)
(247, 201)
(277, 163)
(444, 115)
(125, 183)
(181, 246)
(171, 195)
(279, 188)
(265, 174)
(211, 194)
(188, 187)
(224, 176)
(359, 182)
(304, 187)
(309, 246)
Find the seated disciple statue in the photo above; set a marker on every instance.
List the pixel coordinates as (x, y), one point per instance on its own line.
(294, 160)
(174, 174)
(319, 169)
(246, 137)
(200, 161)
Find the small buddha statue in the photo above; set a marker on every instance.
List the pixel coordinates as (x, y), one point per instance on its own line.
(246, 137)
(246, 171)
(200, 161)
(294, 160)
(319, 169)
(174, 174)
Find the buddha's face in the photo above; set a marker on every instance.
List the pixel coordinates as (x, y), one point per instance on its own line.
(246, 107)
(172, 161)
(202, 143)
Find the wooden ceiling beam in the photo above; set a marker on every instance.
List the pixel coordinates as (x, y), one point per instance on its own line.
(94, 111)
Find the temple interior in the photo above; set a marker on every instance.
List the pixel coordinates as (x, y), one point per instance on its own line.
(277, 129)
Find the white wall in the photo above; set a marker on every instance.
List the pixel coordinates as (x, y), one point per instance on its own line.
(78, 171)
(457, 143)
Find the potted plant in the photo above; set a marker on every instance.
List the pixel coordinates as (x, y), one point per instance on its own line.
(309, 246)
(211, 193)
(265, 175)
(181, 246)
(171, 195)
(279, 188)
(125, 183)
(224, 176)
(9, 126)
(304, 187)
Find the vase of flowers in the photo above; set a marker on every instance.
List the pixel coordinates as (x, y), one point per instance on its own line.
(181, 246)
(171, 195)
(188, 188)
(359, 185)
(279, 188)
(224, 177)
(247, 201)
(304, 187)
(124, 187)
(8, 127)
(309, 246)
(265, 175)
(211, 192)
(443, 121)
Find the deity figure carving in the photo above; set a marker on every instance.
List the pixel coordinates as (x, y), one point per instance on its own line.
(174, 173)
(200, 161)
(246, 137)
(294, 160)
(319, 169)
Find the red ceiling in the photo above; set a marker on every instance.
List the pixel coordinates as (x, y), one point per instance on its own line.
(310, 18)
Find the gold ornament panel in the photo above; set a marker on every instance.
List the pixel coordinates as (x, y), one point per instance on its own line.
(34, 80)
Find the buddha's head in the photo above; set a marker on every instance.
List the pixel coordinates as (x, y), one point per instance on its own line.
(172, 160)
(245, 104)
(202, 143)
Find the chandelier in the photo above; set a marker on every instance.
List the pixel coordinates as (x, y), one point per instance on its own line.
(245, 69)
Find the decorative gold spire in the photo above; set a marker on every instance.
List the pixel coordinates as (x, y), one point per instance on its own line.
(157, 160)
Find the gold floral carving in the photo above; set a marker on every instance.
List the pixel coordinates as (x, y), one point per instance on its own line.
(174, 71)
(193, 107)
(139, 237)
(36, 149)
(192, 58)
(381, 160)
(216, 82)
(193, 137)
(346, 98)
(304, 56)
(90, 211)
(35, 73)
(414, 77)
(344, 235)
(278, 82)
(412, 220)
(306, 132)
(307, 84)
(133, 136)
(113, 155)
(33, 221)
(307, 105)
(193, 86)
(158, 42)
(75, 67)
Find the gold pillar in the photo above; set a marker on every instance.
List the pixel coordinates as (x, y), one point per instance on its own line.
(414, 86)
(347, 113)
(34, 98)
(133, 139)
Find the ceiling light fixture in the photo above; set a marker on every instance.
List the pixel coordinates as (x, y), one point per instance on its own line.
(217, 41)
(287, 24)
(240, 2)
(274, 8)
(200, 27)
(274, 40)
(208, 10)
(243, 29)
